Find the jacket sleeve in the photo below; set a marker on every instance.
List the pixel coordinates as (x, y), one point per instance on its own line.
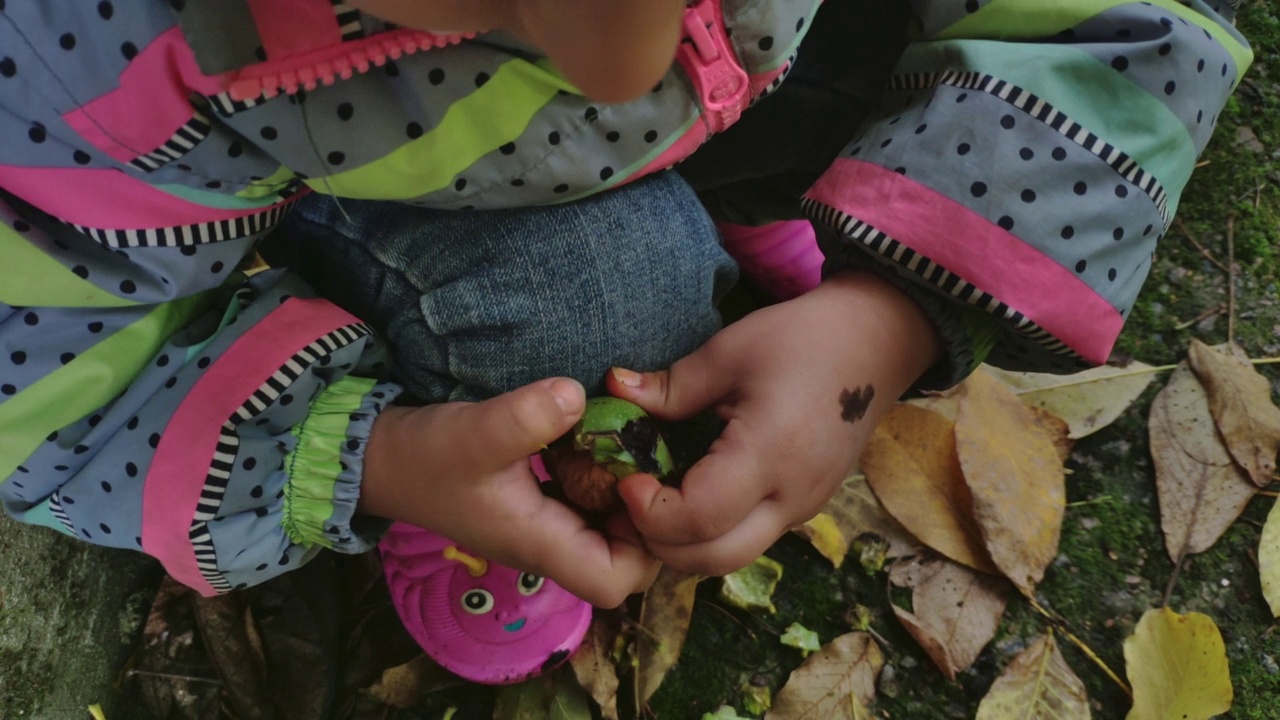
(153, 398)
(1026, 159)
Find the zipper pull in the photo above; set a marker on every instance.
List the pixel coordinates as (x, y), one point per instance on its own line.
(708, 58)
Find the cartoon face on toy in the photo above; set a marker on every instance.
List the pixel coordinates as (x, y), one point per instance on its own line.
(482, 621)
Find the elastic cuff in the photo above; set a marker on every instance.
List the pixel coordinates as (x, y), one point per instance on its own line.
(967, 334)
(327, 464)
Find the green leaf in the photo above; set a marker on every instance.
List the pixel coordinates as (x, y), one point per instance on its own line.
(724, 712)
(751, 588)
(799, 636)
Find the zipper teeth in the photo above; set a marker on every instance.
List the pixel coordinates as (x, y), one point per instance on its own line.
(288, 77)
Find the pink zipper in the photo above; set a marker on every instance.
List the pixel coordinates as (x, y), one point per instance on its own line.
(328, 65)
(712, 66)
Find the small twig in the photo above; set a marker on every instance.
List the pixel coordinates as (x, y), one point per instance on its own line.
(1203, 250)
(1059, 623)
(171, 676)
(1091, 501)
(1269, 493)
(1202, 163)
(1206, 314)
(1231, 279)
(1173, 581)
(1253, 558)
(733, 618)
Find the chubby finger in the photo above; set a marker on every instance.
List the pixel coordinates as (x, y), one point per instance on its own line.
(693, 384)
(716, 495)
(493, 434)
(732, 551)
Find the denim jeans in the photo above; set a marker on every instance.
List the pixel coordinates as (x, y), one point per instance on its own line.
(477, 303)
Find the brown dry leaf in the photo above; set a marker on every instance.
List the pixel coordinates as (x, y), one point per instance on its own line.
(1037, 685)
(1240, 400)
(665, 613)
(402, 685)
(955, 613)
(911, 464)
(839, 681)
(1177, 665)
(221, 620)
(1058, 431)
(1016, 477)
(1088, 401)
(853, 512)
(1200, 489)
(593, 664)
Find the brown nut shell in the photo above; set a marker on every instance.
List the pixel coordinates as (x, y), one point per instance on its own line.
(588, 486)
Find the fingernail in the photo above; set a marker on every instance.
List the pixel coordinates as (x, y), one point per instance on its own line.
(627, 378)
(569, 395)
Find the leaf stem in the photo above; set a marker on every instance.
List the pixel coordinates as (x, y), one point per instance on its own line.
(1059, 623)
(1090, 501)
(1173, 580)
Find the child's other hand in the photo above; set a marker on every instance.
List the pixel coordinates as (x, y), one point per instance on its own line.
(802, 385)
(462, 470)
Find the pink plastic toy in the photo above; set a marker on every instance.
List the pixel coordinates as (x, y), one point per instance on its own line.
(782, 258)
(484, 622)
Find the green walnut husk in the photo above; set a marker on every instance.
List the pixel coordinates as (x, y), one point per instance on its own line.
(615, 438)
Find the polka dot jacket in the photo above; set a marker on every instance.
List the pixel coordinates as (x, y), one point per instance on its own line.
(1025, 161)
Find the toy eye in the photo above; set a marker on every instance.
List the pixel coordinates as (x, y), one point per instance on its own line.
(477, 602)
(529, 584)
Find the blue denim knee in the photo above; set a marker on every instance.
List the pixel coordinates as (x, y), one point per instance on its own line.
(477, 303)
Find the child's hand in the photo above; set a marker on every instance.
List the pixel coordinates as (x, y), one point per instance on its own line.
(802, 385)
(462, 470)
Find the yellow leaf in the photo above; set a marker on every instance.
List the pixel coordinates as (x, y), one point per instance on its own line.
(594, 667)
(826, 537)
(1240, 400)
(1016, 477)
(1200, 488)
(1088, 401)
(1177, 665)
(96, 712)
(665, 613)
(839, 681)
(1269, 559)
(911, 464)
(955, 611)
(1037, 685)
(856, 512)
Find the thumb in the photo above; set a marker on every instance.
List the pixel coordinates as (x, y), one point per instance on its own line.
(688, 387)
(512, 426)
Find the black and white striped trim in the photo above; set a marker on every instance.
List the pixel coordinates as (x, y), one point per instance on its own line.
(348, 21)
(1033, 105)
(192, 133)
(224, 454)
(933, 274)
(226, 107)
(777, 82)
(185, 235)
(55, 507)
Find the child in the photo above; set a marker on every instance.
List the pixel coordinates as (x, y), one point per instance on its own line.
(999, 200)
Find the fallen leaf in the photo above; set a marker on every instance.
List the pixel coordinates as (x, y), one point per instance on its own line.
(837, 682)
(1269, 559)
(757, 699)
(955, 613)
(1240, 400)
(1037, 685)
(96, 712)
(944, 402)
(1200, 489)
(854, 511)
(1177, 666)
(1088, 400)
(402, 685)
(911, 464)
(553, 696)
(1058, 431)
(594, 667)
(1015, 476)
(751, 588)
(223, 628)
(665, 613)
(801, 638)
